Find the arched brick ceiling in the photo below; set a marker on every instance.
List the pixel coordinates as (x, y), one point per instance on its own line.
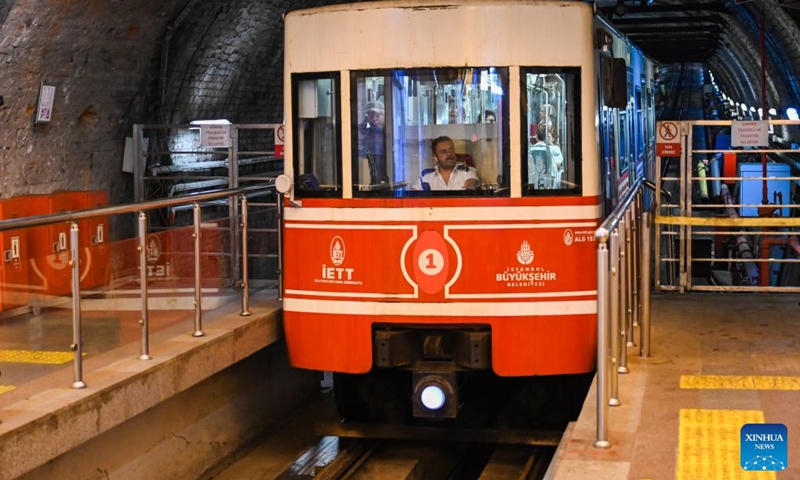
(724, 35)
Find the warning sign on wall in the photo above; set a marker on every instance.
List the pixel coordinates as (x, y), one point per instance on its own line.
(754, 133)
(215, 135)
(280, 136)
(668, 140)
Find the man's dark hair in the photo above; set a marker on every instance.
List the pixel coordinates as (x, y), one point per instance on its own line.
(438, 140)
(541, 132)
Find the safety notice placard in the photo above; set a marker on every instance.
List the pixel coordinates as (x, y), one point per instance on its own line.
(753, 133)
(215, 135)
(668, 140)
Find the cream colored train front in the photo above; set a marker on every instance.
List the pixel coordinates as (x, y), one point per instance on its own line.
(444, 177)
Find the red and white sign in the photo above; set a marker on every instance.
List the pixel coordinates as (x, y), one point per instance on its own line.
(280, 136)
(215, 135)
(668, 141)
(750, 134)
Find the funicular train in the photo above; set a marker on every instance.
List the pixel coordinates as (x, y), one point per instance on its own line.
(447, 164)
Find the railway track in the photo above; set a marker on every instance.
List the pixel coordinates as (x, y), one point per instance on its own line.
(389, 453)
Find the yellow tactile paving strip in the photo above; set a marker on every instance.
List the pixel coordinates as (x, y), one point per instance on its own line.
(6, 388)
(708, 445)
(34, 356)
(740, 382)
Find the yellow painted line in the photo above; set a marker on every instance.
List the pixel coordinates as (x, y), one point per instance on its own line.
(729, 222)
(740, 382)
(34, 356)
(6, 388)
(708, 445)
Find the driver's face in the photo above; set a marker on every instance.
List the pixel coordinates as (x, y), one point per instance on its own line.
(445, 155)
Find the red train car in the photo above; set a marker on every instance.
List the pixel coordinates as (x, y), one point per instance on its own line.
(442, 193)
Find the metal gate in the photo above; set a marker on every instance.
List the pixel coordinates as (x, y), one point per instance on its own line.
(713, 229)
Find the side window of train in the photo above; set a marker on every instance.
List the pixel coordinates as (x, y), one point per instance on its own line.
(397, 114)
(551, 138)
(317, 155)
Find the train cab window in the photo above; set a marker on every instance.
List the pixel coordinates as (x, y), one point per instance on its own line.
(317, 151)
(551, 137)
(397, 115)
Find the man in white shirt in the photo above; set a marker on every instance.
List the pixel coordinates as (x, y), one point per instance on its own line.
(545, 163)
(449, 173)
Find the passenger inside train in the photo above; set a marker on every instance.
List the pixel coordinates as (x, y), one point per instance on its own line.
(553, 159)
(395, 115)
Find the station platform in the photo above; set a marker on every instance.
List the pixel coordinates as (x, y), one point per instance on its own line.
(718, 361)
(135, 417)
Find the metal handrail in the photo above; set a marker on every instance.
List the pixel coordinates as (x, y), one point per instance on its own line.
(26, 222)
(623, 289)
(141, 208)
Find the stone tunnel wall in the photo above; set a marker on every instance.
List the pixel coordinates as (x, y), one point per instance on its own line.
(101, 56)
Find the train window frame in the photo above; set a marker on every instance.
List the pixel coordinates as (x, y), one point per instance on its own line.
(572, 156)
(474, 128)
(309, 187)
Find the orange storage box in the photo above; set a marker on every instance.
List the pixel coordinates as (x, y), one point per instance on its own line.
(14, 264)
(95, 251)
(49, 246)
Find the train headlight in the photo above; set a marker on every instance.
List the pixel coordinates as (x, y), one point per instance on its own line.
(435, 394)
(432, 397)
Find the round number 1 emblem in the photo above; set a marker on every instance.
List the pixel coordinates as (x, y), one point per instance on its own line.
(430, 261)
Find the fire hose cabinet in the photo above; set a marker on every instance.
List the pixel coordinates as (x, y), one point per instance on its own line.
(15, 263)
(94, 249)
(777, 188)
(49, 245)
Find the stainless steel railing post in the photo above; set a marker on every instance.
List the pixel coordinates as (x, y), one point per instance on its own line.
(75, 263)
(245, 262)
(198, 305)
(279, 222)
(630, 278)
(644, 343)
(144, 322)
(622, 324)
(636, 255)
(613, 282)
(601, 440)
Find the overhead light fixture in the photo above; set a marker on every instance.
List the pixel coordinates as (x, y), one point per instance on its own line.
(620, 9)
(772, 111)
(196, 123)
(791, 114)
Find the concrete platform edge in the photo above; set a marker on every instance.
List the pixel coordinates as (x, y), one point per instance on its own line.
(52, 422)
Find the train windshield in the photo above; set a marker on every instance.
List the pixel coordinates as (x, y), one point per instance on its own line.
(431, 132)
(551, 102)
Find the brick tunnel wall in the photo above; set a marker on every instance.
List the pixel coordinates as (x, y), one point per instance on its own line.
(118, 63)
(101, 56)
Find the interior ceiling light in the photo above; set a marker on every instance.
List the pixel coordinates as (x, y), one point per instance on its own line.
(620, 9)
